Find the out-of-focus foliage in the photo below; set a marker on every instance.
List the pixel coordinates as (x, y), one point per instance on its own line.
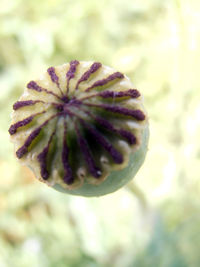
(156, 43)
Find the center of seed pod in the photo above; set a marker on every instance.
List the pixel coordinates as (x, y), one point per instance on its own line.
(67, 104)
(65, 99)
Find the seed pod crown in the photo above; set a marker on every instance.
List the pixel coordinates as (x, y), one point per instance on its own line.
(81, 128)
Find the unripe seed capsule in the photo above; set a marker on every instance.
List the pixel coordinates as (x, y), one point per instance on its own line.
(78, 130)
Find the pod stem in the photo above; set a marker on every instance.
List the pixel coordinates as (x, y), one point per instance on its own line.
(135, 190)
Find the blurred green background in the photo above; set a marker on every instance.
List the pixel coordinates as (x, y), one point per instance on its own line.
(155, 221)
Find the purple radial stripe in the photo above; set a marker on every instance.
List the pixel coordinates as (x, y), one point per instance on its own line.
(124, 133)
(72, 69)
(55, 79)
(135, 113)
(21, 151)
(116, 155)
(116, 75)
(34, 86)
(24, 149)
(42, 158)
(93, 68)
(68, 175)
(128, 135)
(21, 104)
(133, 93)
(93, 169)
(71, 72)
(52, 74)
(13, 128)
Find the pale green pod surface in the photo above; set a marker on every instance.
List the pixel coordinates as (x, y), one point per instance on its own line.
(81, 128)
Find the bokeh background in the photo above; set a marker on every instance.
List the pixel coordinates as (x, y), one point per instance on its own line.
(154, 221)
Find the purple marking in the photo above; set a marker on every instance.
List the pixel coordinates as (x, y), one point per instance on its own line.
(93, 169)
(68, 176)
(135, 113)
(60, 107)
(71, 72)
(42, 158)
(34, 86)
(24, 149)
(65, 99)
(72, 69)
(106, 124)
(116, 75)
(54, 78)
(21, 151)
(13, 128)
(117, 157)
(52, 74)
(128, 135)
(133, 93)
(74, 101)
(95, 66)
(20, 104)
(124, 133)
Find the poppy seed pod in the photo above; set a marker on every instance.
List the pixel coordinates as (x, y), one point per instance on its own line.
(81, 128)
